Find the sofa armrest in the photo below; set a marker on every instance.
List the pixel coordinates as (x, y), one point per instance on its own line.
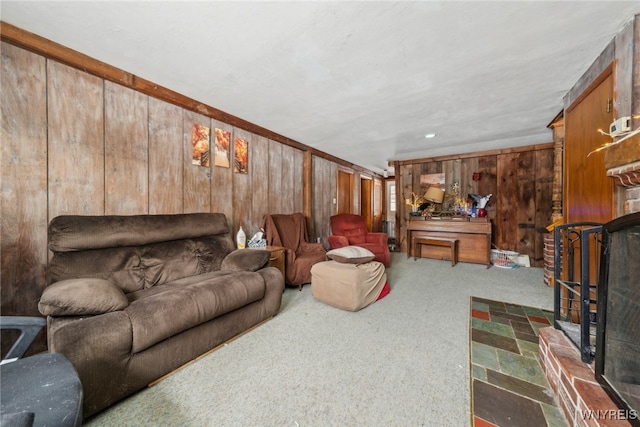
(82, 297)
(336, 242)
(377, 238)
(306, 247)
(246, 260)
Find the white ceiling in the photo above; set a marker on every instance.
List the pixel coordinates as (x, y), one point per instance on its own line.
(363, 81)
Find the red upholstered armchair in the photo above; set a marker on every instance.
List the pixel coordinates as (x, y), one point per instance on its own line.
(350, 230)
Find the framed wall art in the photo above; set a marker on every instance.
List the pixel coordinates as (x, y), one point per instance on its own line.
(221, 148)
(432, 179)
(240, 155)
(200, 153)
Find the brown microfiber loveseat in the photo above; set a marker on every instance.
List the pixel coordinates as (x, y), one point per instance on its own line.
(131, 298)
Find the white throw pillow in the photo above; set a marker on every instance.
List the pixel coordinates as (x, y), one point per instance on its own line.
(351, 255)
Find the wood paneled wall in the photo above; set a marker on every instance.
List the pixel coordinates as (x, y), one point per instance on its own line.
(74, 143)
(520, 181)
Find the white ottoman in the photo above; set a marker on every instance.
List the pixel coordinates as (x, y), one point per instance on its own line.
(347, 286)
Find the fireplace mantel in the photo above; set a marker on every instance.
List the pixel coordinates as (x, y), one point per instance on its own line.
(622, 162)
(625, 153)
(626, 175)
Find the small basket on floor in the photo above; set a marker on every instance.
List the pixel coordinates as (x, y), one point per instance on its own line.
(504, 259)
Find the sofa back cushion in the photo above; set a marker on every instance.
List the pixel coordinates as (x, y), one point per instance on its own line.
(351, 226)
(137, 252)
(69, 233)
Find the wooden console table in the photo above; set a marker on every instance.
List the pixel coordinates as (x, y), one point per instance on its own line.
(474, 238)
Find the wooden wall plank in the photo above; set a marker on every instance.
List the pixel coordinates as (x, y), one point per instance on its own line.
(403, 192)
(635, 89)
(307, 190)
(23, 194)
(332, 191)
(126, 151)
(624, 71)
(287, 180)
(221, 178)
(275, 178)
(298, 181)
(319, 204)
(506, 234)
(544, 166)
(467, 184)
(242, 190)
(166, 165)
(76, 142)
(259, 170)
(356, 196)
(453, 174)
(378, 205)
(525, 206)
(324, 193)
(196, 196)
(488, 184)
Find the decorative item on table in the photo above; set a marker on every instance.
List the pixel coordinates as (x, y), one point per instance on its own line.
(456, 206)
(241, 238)
(257, 241)
(414, 201)
(452, 197)
(434, 195)
(481, 203)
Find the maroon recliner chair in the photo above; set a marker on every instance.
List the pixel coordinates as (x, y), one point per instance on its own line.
(350, 230)
(290, 232)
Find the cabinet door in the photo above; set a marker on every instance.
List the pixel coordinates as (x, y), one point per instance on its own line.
(345, 192)
(588, 191)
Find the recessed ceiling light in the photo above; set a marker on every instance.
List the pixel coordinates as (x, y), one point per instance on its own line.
(430, 135)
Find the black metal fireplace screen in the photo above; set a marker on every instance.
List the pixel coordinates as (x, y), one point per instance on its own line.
(577, 248)
(617, 364)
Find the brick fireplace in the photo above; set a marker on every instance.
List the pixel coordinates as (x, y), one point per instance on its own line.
(628, 177)
(581, 398)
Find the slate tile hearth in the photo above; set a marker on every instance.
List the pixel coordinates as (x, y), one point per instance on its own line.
(509, 387)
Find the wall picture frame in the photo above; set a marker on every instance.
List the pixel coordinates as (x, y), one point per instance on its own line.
(200, 152)
(240, 155)
(222, 144)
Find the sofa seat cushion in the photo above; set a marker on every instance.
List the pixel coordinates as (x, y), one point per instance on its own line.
(174, 307)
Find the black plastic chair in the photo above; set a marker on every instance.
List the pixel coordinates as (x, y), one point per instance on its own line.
(39, 390)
